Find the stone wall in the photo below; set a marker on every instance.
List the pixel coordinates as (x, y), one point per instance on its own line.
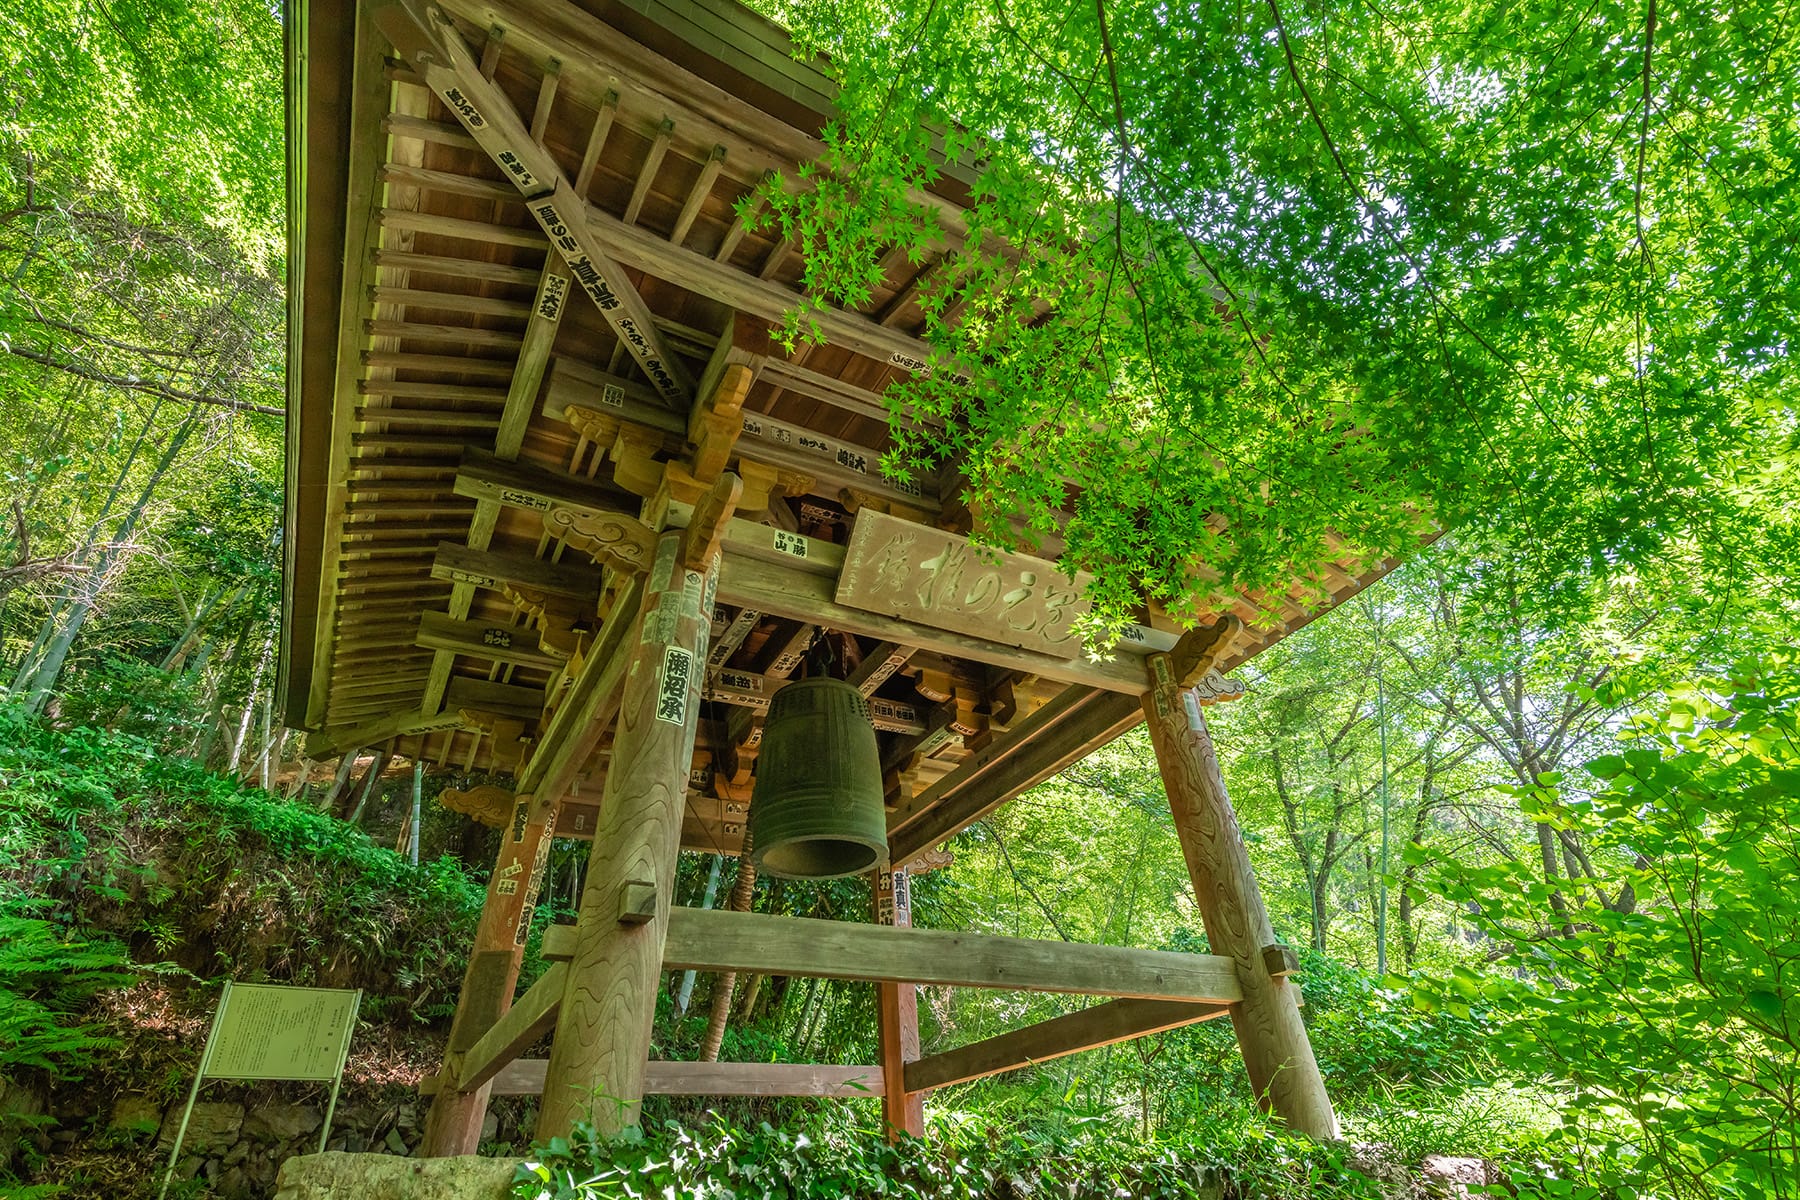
(237, 1149)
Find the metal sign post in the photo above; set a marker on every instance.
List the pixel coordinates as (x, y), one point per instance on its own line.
(267, 1031)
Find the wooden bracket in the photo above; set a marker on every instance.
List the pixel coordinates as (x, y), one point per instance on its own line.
(489, 803)
(633, 453)
(610, 539)
(1280, 961)
(1198, 649)
(637, 902)
(706, 528)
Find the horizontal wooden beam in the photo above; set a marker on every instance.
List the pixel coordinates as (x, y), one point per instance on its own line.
(644, 250)
(525, 1077)
(747, 689)
(507, 699)
(719, 940)
(492, 640)
(483, 475)
(334, 740)
(492, 570)
(785, 591)
(529, 1018)
(1089, 1029)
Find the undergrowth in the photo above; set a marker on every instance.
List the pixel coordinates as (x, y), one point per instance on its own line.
(114, 856)
(836, 1155)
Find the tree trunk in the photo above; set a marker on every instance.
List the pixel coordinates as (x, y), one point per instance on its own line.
(742, 892)
(346, 764)
(44, 679)
(685, 992)
(366, 788)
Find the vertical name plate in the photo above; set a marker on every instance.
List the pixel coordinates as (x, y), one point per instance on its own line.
(902, 569)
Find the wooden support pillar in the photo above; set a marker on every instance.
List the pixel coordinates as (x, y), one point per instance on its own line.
(897, 1011)
(454, 1124)
(603, 1027)
(1277, 1054)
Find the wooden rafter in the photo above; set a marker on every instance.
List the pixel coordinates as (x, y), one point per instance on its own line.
(441, 58)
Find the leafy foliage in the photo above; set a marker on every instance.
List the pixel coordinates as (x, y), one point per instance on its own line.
(1660, 994)
(1240, 280)
(45, 977)
(834, 1157)
(224, 877)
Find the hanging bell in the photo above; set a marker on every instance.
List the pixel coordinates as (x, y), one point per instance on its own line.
(817, 811)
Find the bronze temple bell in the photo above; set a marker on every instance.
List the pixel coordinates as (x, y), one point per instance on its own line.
(817, 810)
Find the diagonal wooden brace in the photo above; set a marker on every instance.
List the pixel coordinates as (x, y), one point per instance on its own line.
(430, 42)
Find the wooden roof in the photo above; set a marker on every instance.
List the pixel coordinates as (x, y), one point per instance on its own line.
(452, 383)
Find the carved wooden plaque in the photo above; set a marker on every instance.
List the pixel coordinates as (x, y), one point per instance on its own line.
(902, 569)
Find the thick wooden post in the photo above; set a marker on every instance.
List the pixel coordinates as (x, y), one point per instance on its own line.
(897, 1014)
(454, 1125)
(603, 1027)
(1277, 1054)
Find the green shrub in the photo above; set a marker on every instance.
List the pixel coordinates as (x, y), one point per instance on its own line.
(1660, 998)
(115, 840)
(833, 1155)
(45, 978)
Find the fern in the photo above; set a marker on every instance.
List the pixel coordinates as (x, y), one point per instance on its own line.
(44, 977)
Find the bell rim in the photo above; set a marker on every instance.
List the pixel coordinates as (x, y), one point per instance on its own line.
(760, 856)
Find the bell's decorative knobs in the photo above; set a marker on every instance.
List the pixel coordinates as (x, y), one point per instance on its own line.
(817, 810)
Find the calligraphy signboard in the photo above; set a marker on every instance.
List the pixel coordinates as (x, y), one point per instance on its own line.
(917, 573)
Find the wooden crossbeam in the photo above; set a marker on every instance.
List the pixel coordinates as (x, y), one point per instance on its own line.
(760, 439)
(485, 476)
(747, 689)
(525, 1077)
(530, 1017)
(335, 740)
(828, 389)
(636, 247)
(491, 570)
(437, 52)
(790, 591)
(716, 940)
(1089, 1029)
(492, 640)
(506, 699)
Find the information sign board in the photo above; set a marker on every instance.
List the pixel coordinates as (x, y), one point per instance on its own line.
(271, 1032)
